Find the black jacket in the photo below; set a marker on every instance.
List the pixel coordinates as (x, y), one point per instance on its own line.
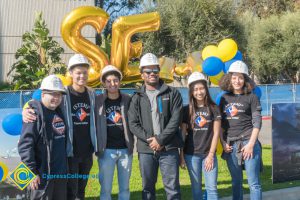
(169, 104)
(35, 145)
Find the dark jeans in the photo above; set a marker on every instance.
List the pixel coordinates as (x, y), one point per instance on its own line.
(79, 166)
(168, 162)
(56, 189)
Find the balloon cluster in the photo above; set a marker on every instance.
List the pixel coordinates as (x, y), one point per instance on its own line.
(122, 49)
(217, 59)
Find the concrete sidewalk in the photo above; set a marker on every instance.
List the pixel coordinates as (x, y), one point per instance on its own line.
(265, 134)
(281, 194)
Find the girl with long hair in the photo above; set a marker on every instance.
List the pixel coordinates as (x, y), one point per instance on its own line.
(201, 127)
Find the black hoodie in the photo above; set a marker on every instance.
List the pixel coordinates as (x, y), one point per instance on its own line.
(35, 145)
(169, 105)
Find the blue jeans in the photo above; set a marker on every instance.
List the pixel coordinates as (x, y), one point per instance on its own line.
(196, 165)
(168, 161)
(107, 162)
(252, 167)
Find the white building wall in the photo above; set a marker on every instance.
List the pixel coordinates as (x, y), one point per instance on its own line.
(17, 17)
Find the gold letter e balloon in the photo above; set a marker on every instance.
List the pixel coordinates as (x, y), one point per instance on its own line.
(122, 50)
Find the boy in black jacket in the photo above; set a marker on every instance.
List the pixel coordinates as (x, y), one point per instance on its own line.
(154, 118)
(42, 146)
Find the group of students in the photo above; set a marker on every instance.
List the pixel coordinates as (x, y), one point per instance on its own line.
(62, 131)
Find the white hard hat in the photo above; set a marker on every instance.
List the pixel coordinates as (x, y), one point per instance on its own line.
(196, 76)
(239, 67)
(110, 68)
(78, 59)
(148, 59)
(52, 83)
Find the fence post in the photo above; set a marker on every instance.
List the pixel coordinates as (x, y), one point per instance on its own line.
(21, 98)
(294, 92)
(267, 100)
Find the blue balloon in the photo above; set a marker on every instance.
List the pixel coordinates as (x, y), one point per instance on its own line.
(212, 66)
(12, 124)
(238, 56)
(218, 98)
(1, 173)
(37, 95)
(257, 91)
(227, 65)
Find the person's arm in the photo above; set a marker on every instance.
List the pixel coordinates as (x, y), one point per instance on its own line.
(184, 133)
(28, 115)
(256, 121)
(26, 145)
(224, 125)
(209, 161)
(134, 121)
(169, 132)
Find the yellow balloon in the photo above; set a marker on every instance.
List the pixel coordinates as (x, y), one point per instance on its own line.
(215, 79)
(71, 33)
(227, 49)
(132, 74)
(65, 80)
(182, 69)
(210, 50)
(4, 170)
(122, 49)
(136, 49)
(219, 147)
(167, 66)
(194, 61)
(26, 105)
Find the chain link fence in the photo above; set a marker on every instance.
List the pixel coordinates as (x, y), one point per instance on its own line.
(286, 93)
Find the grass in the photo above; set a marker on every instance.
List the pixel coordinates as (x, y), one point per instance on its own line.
(224, 181)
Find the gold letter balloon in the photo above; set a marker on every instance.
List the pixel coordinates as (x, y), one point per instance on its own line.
(122, 49)
(71, 33)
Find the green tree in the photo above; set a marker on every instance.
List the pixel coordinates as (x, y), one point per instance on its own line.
(115, 9)
(266, 8)
(38, 57)
(274, 48)
(190, 25)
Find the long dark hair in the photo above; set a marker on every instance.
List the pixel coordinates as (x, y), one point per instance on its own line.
(208, 102)
(225, 83)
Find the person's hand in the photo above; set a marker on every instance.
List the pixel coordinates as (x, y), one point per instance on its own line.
(28, 115)
(182, 163)
(226, 147)
(154, 144)
(34, 185)
(209, 162)
(247, 151)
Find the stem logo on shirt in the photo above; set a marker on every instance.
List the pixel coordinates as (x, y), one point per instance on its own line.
(58, 125)
(81, 114)
(114, 117)
(200, 121)
(232, 111)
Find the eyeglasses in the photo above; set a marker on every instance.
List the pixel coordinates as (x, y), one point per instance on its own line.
(149, 71)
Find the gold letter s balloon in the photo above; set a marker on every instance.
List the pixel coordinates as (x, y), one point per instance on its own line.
(122, 49)
(71, 34)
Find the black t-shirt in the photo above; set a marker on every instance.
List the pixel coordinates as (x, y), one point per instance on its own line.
(198, 140)
(80, 111)
(237, 112)
(115, 129)
(55, 127)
